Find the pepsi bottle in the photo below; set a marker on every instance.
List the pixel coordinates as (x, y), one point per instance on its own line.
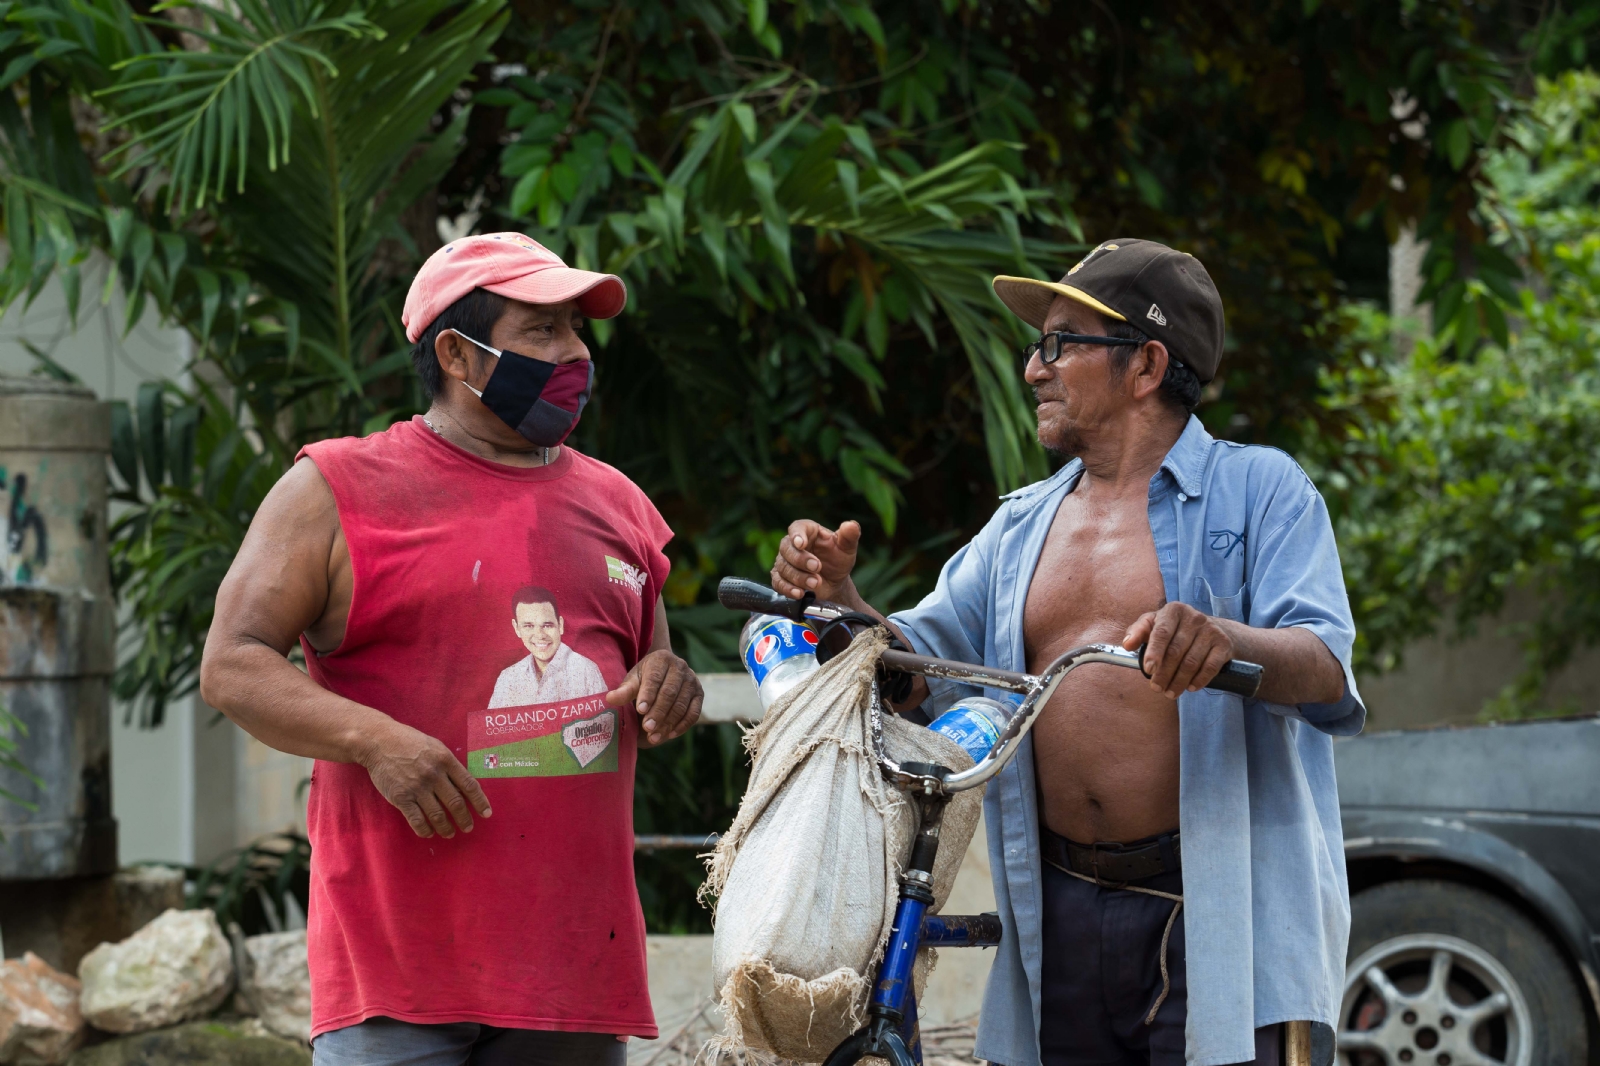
(778, 654)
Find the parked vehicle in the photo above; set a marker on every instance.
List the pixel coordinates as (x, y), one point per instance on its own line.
(1474, 857)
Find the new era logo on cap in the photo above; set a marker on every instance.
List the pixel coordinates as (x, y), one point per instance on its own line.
(1155, 315)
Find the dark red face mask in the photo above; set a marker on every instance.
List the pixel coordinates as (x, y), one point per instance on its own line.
(540, 400)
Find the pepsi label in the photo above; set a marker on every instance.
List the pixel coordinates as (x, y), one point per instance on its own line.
(773, 643)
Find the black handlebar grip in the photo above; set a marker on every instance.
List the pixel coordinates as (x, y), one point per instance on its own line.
(737, 594)
(1236, 676)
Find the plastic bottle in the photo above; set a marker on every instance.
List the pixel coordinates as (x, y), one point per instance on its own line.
(778, 653)
(974, 723)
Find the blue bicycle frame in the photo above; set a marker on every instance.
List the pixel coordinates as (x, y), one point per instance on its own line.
(892, 1030)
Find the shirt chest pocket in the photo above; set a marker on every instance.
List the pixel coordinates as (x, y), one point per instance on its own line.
(1222, 603)
(1214, 564)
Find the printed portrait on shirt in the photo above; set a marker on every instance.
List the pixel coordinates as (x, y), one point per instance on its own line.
(547, 715)
(551, 670)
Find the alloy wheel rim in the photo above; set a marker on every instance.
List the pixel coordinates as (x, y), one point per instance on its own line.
(1428, 998)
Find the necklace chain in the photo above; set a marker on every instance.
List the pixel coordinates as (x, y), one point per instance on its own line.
(429, 423)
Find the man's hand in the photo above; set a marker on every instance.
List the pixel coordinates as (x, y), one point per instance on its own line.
(813, 558)
(1184, 648)
(417, 774)
(666, 693)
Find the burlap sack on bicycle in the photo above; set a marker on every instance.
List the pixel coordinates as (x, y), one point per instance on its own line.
(806, 879)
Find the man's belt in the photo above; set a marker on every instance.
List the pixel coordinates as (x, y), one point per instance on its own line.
(1113, 862)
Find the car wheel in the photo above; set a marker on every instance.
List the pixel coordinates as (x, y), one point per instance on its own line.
(1450, 976)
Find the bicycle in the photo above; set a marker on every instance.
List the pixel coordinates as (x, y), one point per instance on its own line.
(892, 1030)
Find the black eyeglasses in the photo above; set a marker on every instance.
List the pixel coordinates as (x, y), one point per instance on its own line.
(1050, 346)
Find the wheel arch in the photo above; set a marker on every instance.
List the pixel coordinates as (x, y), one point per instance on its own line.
(1446, 849)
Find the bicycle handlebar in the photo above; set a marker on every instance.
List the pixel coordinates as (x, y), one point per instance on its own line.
(1236, 676)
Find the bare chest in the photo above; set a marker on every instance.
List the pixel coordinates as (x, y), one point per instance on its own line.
(1096, 575)
(1106, 745)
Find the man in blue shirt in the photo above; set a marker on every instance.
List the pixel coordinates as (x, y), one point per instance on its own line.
(1167, 859)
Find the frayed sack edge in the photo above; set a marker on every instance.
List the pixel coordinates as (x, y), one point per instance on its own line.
(753, 980)
(735, 1048)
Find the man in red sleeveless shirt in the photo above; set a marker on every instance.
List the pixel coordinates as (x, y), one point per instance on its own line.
(439, 936)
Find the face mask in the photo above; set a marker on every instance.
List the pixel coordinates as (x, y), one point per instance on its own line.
(540, 400)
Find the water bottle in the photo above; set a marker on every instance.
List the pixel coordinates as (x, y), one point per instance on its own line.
(778, 653)
(974, 723)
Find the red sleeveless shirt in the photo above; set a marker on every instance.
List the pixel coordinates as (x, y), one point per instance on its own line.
(493, 607)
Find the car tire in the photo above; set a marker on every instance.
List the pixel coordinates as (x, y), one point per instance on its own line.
(1468, 977)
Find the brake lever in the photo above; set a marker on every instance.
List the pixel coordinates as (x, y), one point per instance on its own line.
(835, 636)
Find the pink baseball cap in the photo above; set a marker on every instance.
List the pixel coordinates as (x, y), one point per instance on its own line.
(510, 265)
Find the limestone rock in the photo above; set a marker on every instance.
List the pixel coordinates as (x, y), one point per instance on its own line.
(274, 977)
(39, 1019)
(194, 1044)
(176, 968)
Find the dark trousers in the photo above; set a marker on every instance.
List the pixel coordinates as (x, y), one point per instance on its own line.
(1102, 976)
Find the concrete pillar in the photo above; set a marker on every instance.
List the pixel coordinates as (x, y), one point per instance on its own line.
(153, 771)
(56, 629)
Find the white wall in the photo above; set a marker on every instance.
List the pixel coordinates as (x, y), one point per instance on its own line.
(113, 366)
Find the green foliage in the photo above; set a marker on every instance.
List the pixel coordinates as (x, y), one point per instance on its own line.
(173, 543)
(806, 201)
(779, 256)
(1284, 144)
(264, 886)
(196, 110)
(1461, 479)
(776, 361)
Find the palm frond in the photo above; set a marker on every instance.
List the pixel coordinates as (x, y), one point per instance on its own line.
(203, 104)
(945, 232)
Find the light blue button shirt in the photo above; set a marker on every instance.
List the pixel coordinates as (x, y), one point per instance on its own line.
(1240, 532)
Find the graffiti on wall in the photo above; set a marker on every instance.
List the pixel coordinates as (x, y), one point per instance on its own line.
(27, 542)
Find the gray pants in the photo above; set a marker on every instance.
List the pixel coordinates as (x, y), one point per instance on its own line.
(387, 1042)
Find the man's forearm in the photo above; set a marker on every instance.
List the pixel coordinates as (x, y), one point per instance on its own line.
(1296, 666)
(274, 701)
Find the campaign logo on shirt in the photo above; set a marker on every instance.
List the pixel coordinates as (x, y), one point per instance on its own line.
(590, 738)
(621, 573)
(547, 715)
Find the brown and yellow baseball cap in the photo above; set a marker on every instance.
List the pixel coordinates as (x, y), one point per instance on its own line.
(1164, 292)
